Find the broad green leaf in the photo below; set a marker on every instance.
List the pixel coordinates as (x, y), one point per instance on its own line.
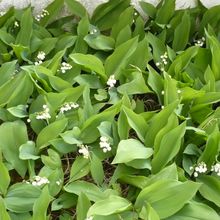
(136, 151)
(182, 61)
(50, 132)
(137, 122)
(5, 179)
(125, 18)
(12, 136)
(169, 147)
(158, 122)
(3, 213)
(165, 12)
(105, 15)
(27, 151)
(210, 188)
(21, 197)
(148, 213)
(82, 208)
(19, 111)
(167, 196)
(89, 62)
(148, 8)
(53, 10)
(89, 189)
(194, 211)
(97, 171)
(25, 33)
(118, 60)
(137, 85)
(41, 205)
(6, 71)
(76, 8)
(211, 150)
(79, 169)
(100, 42)
(181, 33)
(111, 205)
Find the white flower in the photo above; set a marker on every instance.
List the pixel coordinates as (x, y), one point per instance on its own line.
(28, 120)
(178, 91)
(43, 14)
(162, 92)
(2, 13)
(111, 81)
(44, 114)
(216, 168)
(104, 144)
(38, 181)
(65, 66)
(200, 42)
(58, 182)
(199, 168)
(84, 150)
(41, 55)
(68, 106)
(16, 24)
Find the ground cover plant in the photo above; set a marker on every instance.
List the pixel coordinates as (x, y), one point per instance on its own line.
(111, 116)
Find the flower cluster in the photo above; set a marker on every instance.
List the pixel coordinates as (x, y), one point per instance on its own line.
(40, 57)
(84, 150)
(163, 62)
(68, 106)
(104, 144)
(200, 42)
(43, 14)
(111, 81)
(38, 181)
(216, 168)
(44, 114)
(65, 66)
(16, 24)
(200, 168)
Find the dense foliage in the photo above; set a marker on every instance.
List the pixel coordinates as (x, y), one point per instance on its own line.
(112, 116)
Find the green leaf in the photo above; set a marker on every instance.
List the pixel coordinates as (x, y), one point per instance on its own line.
(25, 33)
(89, 62)
(137, 85)
(82, 207)
(165, 12)
(136, 151)
(169, 147)
(97, 171)
(211, 150)
(167, 196)
(210, 189)
(27, 151)
(21, 197)
(105, 15)
(79, 169)
(89, 189)
(137, 122)
(12, 136)
(53, 10)
(148, 8)
(118, 60)
(158, 122)
(19, 111)
(194, 211)
(5, 180)
(100, 42)
(41, 205)
(3, 213)
(111, 205)
(181, 33)
(50, 132)
(76, 8)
